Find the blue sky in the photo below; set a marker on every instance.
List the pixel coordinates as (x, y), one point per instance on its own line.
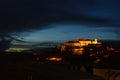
(65, 32)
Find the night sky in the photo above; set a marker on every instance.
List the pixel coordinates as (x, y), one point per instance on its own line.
(60, 20)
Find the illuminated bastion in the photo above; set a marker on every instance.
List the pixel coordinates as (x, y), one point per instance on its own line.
(77, 46)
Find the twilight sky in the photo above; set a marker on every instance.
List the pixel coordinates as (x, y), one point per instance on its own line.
(65, 32)
(60, 20)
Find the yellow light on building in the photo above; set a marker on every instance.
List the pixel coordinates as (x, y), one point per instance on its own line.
(77, 46)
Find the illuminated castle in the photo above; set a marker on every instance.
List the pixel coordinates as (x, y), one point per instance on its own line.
(77, 46)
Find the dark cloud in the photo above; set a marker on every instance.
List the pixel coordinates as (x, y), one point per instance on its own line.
(23, 15)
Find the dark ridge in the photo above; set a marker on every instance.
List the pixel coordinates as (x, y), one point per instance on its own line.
(114, 43)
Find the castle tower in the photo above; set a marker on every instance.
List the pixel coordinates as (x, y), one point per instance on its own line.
(95, 40)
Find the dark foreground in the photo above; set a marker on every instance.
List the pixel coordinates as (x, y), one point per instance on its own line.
(18, 66)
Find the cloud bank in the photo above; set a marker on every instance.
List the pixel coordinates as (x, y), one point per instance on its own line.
(24, 15)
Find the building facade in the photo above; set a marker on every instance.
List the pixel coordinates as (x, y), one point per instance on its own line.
(76, 47)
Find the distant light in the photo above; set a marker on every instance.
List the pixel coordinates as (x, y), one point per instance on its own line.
(54, 59)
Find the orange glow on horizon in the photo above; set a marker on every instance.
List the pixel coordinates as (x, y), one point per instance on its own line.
(54, 59)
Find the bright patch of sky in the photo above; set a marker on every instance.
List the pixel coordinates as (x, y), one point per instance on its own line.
(66, 32)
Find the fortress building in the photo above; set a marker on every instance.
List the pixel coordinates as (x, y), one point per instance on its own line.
(76, 47)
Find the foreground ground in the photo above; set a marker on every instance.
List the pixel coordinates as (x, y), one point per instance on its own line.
(26, 67)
